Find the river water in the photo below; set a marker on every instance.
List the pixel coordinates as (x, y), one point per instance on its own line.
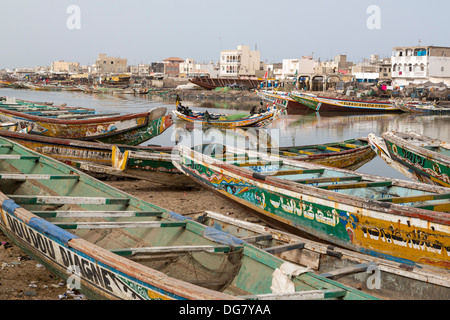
(288, 130)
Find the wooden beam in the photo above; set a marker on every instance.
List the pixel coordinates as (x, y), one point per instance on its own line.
(441, 207)
(286, 247)
(339, 273)
(257, 238)
(417, 198)
(293, 172)
(24, 199)
(22, 176)
(18, 157)
(328, 179)
(96, 214)
(356, 185)
(301, 295)
(171, 249)
(120, 225)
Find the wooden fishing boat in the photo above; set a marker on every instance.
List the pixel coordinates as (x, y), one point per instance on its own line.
(114, 246)
(427, 158)
(349, 154)
(131, 129)
(282, 100)
(424, 108)
(379, 146)
(380, 277)
(228, 121)
(213, 83)
(320, 103)
(101, 160)
(402, 221)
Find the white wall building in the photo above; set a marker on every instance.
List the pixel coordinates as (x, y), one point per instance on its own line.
(239, 62)
(303, 66)
(420, 64)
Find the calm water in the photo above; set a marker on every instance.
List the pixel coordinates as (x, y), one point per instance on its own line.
(292, 129)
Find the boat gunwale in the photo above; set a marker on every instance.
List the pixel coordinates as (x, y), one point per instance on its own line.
(329, 195)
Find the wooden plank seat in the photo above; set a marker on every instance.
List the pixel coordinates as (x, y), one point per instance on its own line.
(172, 249)
(120, 225)
(96, 214)
(356, 185)
(25, 176)
(25, 199)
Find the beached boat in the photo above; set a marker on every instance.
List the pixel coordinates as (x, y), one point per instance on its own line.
(425, 108)
(101, 160)
(380, 277)
(402, 221)
(424, 159)
(213, 83)
(320, 103)
(281, 100)
(85, 124)
(349, 154)
(110, 245)
(228, 120)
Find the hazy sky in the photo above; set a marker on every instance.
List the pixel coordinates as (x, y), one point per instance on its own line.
(35, 32)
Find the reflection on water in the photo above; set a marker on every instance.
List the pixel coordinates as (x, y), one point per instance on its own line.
(289, 129)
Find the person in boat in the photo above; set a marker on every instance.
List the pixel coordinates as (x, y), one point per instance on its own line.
(253, 110)
(207, 116)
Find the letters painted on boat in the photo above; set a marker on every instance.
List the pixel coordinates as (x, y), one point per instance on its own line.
(119, 247)
(428, 158)
(393, 219)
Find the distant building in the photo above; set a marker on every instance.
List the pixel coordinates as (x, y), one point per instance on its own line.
(109, 65)
(338, 65)
(419, 64)
(172, 66)
(61, 66)
(239, 62)
(189, 68)
(140, 69)
(298, 67)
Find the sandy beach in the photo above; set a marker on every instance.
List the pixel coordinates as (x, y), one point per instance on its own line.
(23, 278)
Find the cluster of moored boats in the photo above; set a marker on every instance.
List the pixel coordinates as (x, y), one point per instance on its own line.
(342, 230)
(299, 100)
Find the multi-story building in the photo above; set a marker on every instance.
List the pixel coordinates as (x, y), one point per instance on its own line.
(172, 66)
(62, 66)
(239, 62)
(189, 68)
(109, 65)
(419, 64)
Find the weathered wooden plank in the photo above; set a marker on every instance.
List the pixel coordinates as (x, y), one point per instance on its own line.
(357, 185)
(292, 172)
(171, 249)
(23, 199)
(22, 176)
(17, 157)
(301, 295)
(257, 238)
(285, 247)
(443, 206)
(120, 225)
(417, 198)
(96, 214)
(339, 273)
(328, 179)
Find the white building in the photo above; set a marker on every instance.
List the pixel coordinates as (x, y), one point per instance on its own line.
(303, 66)
(420, 64)
(189, 68)
(239, 62)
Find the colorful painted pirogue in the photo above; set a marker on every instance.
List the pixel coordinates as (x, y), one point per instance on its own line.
(116, 246)
(228, 121)
(383, 278)
(427, 159)
(282, 100)
(131, 129)
(349, 154)
(425, 108)
(319, 103)
(398, 220)
(152, 163)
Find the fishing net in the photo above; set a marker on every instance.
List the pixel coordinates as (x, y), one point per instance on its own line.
(212, 270)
